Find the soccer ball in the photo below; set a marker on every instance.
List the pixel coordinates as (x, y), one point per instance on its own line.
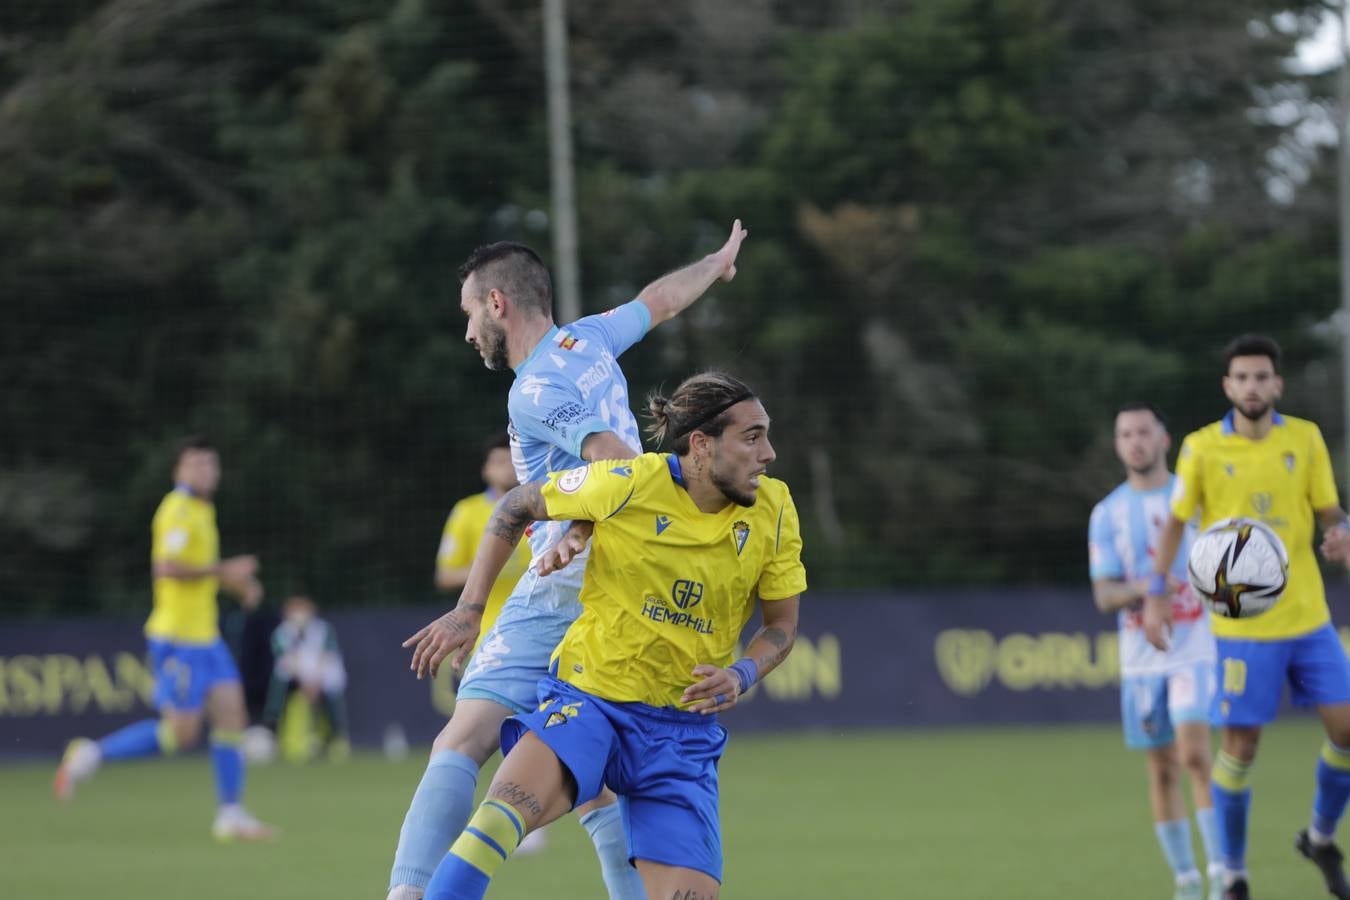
(1240, 566)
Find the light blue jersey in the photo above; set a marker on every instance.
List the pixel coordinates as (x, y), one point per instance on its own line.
(568, 388)
(1122, 537)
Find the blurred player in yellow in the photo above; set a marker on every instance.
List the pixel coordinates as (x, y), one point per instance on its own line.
(195, 676)
(1260, 464)
(464, 529)
(684, 544)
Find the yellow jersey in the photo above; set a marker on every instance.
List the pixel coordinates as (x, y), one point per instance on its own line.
(459, 542)
(184, 531)
(1280, 480)
(668, 586)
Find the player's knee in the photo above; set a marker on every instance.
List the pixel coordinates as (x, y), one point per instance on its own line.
(1339, 734)
(476, 741)
(186, 733)
(1196, 761)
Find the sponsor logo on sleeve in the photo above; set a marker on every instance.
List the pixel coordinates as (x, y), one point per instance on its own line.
(570, 413)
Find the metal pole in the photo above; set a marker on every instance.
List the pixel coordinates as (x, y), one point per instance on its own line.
(568, 281)
(1343, 184)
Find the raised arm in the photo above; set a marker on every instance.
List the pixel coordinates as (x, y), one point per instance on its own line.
(669, 295)
(456, 631)
(1158, 605)
(718, 689)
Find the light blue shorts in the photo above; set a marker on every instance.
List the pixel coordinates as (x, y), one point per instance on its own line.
(514, 654)
(1152, 705)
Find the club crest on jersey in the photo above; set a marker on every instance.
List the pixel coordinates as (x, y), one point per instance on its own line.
(571, 481)
(741, 531)
(1289, 461)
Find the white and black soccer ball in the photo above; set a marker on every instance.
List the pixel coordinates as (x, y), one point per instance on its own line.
(1240, 567)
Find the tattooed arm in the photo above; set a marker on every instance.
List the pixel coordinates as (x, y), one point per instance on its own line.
(773, 642)
(717, 689)
(456, 631)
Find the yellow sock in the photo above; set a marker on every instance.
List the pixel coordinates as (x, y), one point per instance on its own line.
(493, 834)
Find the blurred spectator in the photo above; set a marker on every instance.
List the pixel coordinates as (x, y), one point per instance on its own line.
(309, 667)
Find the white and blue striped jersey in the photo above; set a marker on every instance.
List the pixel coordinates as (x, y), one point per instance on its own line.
(568, 388)
(1122, 541)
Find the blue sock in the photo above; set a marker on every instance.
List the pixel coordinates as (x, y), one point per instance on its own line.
(1232, 800)
(455, 879)
(227, 760)
(1333, 788)
(1175, 838)
(137, 739)
(1209, 835)
(605, 826)
(438, 813)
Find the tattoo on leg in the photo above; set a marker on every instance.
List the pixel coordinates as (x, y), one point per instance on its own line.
(517, 796)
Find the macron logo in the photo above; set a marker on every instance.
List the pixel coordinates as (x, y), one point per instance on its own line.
(662, 523)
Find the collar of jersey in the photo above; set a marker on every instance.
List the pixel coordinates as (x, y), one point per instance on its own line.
(186, 491)
(676, 472)
(1228, 427)
(538, 348)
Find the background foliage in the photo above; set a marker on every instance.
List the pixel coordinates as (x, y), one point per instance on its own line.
(976, 227)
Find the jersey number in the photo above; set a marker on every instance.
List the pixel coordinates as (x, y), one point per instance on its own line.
(1234, 676)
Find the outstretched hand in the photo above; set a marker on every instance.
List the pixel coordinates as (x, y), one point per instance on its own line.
(727, 255)
(454, 632)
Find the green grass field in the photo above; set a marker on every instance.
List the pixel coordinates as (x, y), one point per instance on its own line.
(1027, 813)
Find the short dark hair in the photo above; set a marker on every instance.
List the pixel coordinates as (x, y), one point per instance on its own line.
(700, 403)
(189, 444)
(1143, 406)
(1252, 345)
(499, 441)
(516, 271)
